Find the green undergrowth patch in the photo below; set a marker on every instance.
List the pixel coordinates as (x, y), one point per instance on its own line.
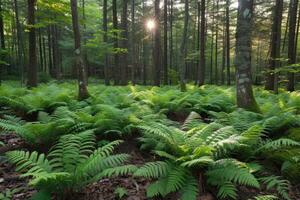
(199, 138)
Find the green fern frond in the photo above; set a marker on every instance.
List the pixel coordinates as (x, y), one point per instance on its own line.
(119, 171)
(232, 171)
(199, 162)
(192, 121)
(227, 190)
(190, 189)
(153, 170)
(278, 145)
(281, 186)
(265, 197)
(29, 162)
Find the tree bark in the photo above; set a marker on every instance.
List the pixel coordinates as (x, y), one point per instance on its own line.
(124, 43)
(228, 43)
(291, 43)
(171, 35)
(20, 43)
(81, 71)
(202, 45)
(2, 40)
(183, 47)
(50, 68)
(245, 97)
(166, 81)
(217, 46)
(116, 43)
(32, 69)
(105, 41)
(41, 50)
(275, 44)
(133, 43)
(157, 45)
(212, 41)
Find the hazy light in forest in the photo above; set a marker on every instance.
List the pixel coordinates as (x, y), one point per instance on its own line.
(150, 24)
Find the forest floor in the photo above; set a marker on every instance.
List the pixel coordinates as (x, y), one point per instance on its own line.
(17, 188)
(14, 187)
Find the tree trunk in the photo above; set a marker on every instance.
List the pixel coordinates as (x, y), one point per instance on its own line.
(2, 38)
(183, 47)
(32, 69)
(228, 43)
(105, 41)
(44, 55)
(133, 43)
(81, 71)
(275, 45)
(198, 40)
(212, 41)
(157, 45)
(171, 35)
(223, 56)
(216, 46)
(20, 43)
(166, 81)
(50, 68)
(202, 45)
(144, 77)
(124, 43)
(291, 42)
(116, 45)
(245, 97)
(41, 51)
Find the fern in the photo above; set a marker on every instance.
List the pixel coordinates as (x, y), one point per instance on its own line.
(281, 186)
(265, 197)
(227, 173)
(71, 163)
(278, 144)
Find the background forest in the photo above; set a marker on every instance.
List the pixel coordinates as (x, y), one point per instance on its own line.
(119, 46)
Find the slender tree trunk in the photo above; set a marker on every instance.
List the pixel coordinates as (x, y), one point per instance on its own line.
(166, 81)
(202, 45)
(212, 41)
(171, 35)
(274, 45)
(105, 41)
(82, 78)
(41, 50)
(157, 45)
(198, 40)
(124, 43)
(116, 43)
(133, 43)
(144, 77)
(85, 55)
(44, 55)
(291, 42)
(50, 50)
(286, 32)
(223, 56)
(20, 43)
(228, 43)
(2, 38)
(216, 46)
(183, 47)
(245, 97)
(32, 70)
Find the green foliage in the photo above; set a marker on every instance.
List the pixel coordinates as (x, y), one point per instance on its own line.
(71, 164)
(227, 145)
(281, 186)
(120, 192)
